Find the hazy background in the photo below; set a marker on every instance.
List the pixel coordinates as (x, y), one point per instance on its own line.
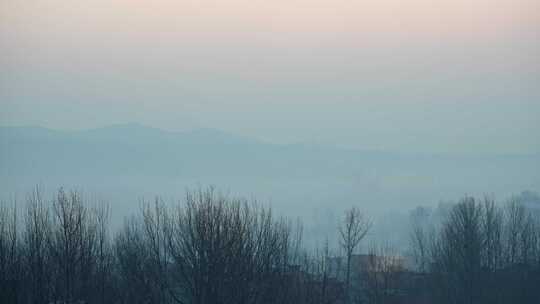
(305, 104)
(446, 76)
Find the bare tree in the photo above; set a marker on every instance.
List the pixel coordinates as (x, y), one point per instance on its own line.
(460, 251)
(228, 251)
(421, 237)
(70, 245)
(155, 223)
(354, 228)
(492, 259)
(10, 262)
(515, 222)
(492, 226)
(36, 239)
(104, 262)
(134, 263)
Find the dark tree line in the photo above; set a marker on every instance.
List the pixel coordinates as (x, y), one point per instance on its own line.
(54, 251)
(213, 249)
(209, 249)
(481, 253)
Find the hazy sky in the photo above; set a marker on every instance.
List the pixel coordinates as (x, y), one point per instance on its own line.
(417, 75)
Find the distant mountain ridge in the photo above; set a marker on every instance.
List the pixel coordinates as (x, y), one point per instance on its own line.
(130, 131)
(149, 158)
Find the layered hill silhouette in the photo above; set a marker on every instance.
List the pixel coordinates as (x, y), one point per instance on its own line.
(149, 159)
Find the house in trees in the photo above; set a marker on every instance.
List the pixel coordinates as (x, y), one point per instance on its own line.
(366, 263)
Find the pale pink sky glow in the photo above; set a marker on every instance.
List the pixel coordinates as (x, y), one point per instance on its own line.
(257, 67)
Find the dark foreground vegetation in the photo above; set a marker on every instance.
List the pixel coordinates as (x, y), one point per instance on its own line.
(211, 249)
